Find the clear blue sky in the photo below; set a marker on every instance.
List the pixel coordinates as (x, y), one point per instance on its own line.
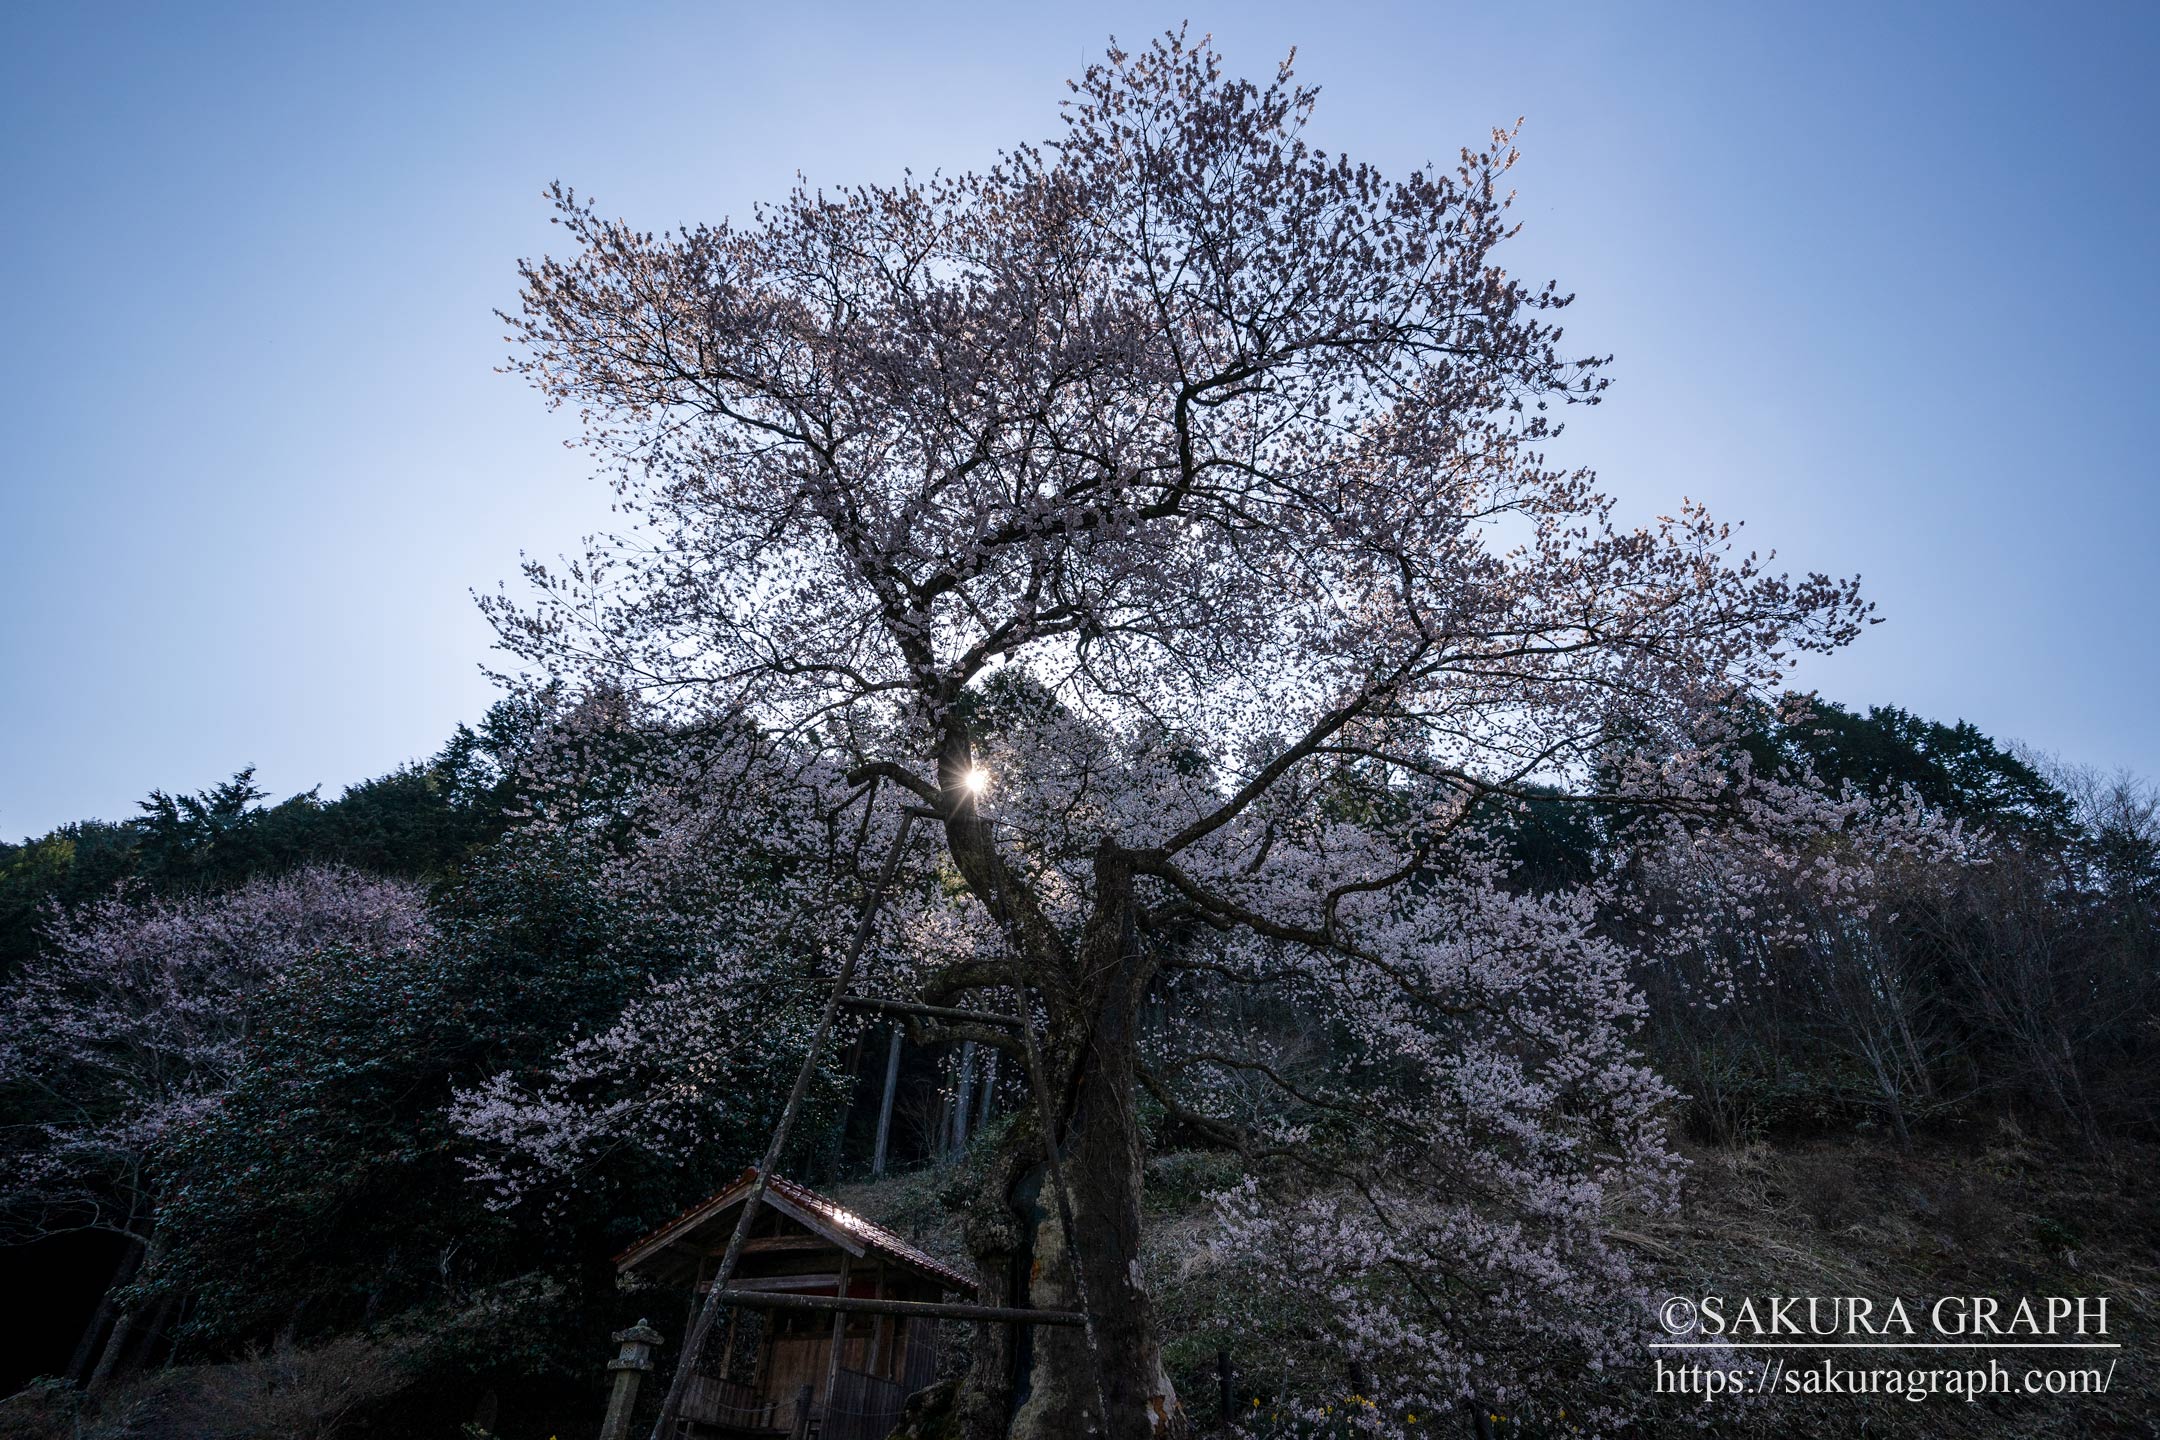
(1880, 281)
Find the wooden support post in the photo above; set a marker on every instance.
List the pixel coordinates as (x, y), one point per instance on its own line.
(697, 1288)
(880, 1328)
(989, 1084)
(965, 1102)
(885, 1106)
(839, 1331)
(800, 1430)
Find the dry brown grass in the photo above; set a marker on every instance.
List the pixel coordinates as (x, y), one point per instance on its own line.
(2001, 1215)
(281, 1394)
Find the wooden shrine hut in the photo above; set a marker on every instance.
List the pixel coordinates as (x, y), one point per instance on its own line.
(798, 1372)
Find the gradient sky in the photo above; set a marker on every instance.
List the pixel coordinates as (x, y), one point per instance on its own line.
(1880, 281)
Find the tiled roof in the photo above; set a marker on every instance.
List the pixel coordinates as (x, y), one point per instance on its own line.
(872, 1235)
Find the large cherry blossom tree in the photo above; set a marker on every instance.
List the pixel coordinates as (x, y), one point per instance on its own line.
(1163, 510)
(131, 1024)
(134, 1019)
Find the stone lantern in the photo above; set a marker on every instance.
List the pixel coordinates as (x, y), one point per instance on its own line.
(630, 1366)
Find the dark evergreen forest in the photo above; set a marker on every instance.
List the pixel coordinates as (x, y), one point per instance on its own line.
(315, 1197)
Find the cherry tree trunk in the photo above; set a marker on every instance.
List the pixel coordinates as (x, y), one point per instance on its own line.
(86, 1349)
(114, 1362)
(1055, 1390)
